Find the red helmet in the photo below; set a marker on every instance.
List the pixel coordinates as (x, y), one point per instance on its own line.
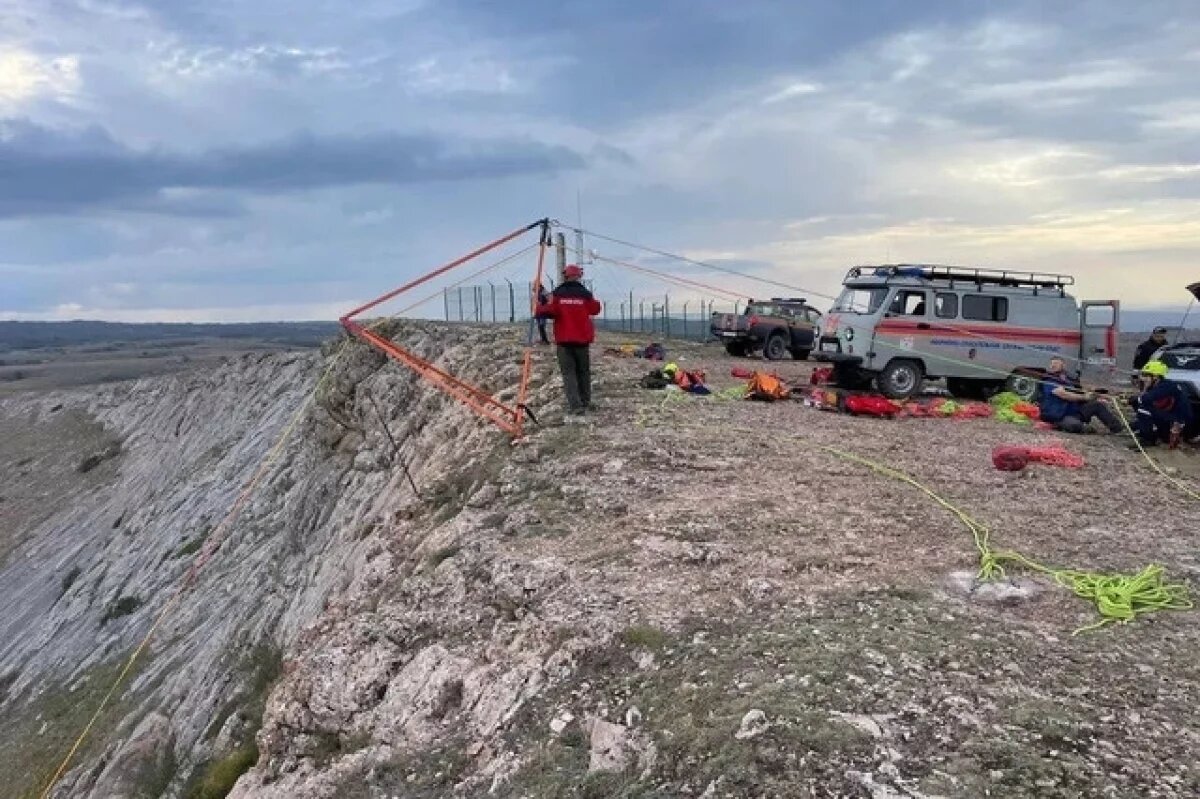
(573, 272)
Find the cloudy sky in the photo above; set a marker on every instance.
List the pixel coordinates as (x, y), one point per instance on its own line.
(226, 160)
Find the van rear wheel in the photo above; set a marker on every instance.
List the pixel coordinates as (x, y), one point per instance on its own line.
(900, 379)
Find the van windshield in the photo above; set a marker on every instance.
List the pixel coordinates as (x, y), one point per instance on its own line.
(861, 300)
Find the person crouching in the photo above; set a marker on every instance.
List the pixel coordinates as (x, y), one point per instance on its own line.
(572, 306)
(1163, 408)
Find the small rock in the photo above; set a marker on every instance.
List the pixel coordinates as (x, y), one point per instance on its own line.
(610, 749)
(633, 716)
(615, 466)
(484, 497)
(754, 723)
(560, 722)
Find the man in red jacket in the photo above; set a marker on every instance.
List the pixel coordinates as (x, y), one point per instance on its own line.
(572, 307)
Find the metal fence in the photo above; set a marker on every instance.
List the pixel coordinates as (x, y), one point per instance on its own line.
(658, 316)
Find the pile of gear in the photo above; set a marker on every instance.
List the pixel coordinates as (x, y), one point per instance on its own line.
(671, 376)
(651, 352)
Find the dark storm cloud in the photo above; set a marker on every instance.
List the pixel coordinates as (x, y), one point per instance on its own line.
(44, 171)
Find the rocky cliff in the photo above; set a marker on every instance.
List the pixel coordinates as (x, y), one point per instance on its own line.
(685, 598)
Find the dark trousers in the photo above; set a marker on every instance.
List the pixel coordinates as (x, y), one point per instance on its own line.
(1081, 415)
(1152, 428)
(541, 324)
(575, 362)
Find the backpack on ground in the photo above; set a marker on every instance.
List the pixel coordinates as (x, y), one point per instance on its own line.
(766, 388)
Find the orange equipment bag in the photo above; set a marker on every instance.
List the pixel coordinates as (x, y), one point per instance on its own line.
(765, 387)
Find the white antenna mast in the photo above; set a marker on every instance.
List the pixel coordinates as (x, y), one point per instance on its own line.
(579, 251)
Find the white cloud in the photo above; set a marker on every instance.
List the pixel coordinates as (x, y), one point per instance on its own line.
(797, 89)
(210, 63)
(27, 76)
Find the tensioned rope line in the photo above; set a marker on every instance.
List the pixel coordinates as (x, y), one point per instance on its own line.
(1115, 404)
(1117, 597)
(780, 284)
(221, 533)
(1157, 468)
(668, 277)
(457, 283)
(214, 542)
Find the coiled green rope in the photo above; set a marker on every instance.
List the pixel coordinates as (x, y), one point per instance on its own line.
(1118, 597)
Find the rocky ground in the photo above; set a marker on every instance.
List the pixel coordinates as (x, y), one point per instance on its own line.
(686, 597)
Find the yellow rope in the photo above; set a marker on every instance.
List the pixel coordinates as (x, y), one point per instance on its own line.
(213, 543)
(1117, 597)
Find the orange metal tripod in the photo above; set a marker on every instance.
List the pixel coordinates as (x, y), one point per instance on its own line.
(510, 419)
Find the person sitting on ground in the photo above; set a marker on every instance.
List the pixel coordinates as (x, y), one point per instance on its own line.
(1146, 350)
(1163, 408)
(572, 307)
(1067, 406)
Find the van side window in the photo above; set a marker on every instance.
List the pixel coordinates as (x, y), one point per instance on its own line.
(908, 303)
(984, 308)
(945, 305)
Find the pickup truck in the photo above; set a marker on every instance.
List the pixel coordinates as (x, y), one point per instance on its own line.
(777, 327)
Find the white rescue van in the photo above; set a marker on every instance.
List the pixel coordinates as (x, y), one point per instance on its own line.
(980, 329)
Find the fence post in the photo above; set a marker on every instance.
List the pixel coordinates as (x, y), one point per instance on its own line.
(492, 288)
(460, 304)
(737, 307)
(666, 316)
(512, 302)
(685, 320)
(446, 302)
(622, 316)
(641, 316)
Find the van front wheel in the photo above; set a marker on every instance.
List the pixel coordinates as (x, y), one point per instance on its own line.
(899, 379)
(1024, 385)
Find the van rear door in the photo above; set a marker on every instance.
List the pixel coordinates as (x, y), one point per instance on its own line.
(1099, 324)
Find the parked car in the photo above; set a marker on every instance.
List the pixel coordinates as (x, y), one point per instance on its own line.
(981, 329)
(776, 327)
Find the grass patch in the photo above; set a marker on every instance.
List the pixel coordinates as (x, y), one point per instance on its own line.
(644, 636)
(219, 776)
(259, 669)
(37, 734)
(192, 546)
(121, 607)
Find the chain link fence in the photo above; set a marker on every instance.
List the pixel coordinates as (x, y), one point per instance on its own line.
(658, 316)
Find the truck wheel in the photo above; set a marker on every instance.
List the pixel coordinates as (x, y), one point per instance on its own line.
(736, 348)
(800, 355)
(900, 379)
(775, 348)
(1024, 384)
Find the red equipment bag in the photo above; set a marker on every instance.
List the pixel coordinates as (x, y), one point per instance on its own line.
(1010, 459)
(871, 405)
(741, 373)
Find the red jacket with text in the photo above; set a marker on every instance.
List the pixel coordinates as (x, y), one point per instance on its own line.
(572, 307)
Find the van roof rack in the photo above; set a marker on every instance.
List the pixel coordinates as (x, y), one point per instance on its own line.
(788, 299)
(1003, 277)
